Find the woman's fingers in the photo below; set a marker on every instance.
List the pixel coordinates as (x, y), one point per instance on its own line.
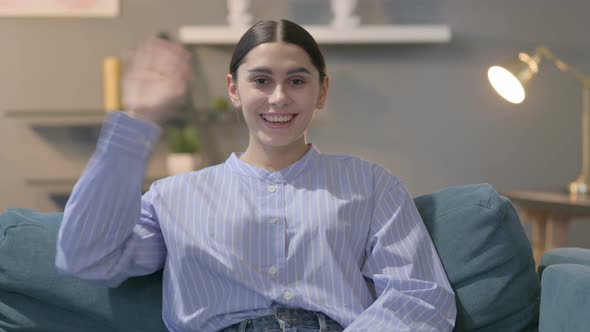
(161, 56)
(158, 78)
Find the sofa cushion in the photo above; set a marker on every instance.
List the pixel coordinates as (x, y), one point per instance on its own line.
(487, 257)
(565, 298)
(564, 256)
(33, 293)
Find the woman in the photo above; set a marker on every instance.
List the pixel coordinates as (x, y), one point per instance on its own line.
(279, 237)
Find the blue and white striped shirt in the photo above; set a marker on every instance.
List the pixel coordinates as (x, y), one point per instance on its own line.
(329, 233)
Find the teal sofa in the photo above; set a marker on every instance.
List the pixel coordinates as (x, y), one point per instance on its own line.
(477, 233)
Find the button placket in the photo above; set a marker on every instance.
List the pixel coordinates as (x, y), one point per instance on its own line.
(274, 220)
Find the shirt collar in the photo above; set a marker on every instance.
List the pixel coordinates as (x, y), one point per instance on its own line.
(286, 174)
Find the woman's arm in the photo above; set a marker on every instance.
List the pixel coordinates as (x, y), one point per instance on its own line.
(413, 292)
(109, 232)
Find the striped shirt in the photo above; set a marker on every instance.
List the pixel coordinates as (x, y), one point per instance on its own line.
(329, 233)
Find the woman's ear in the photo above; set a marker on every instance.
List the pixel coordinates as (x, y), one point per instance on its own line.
(323, 93)
(232, 91)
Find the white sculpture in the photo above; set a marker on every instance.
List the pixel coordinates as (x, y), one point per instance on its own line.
(238, 15)
(342, 11)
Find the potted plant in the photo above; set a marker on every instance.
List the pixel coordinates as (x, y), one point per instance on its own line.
(220, 104)
(184, 146)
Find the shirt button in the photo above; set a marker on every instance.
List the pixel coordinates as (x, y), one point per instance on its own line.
(287, 295)
(272, 189)
(273, 270)
(273, 220)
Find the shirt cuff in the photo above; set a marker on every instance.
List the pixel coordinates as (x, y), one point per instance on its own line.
(122, 133)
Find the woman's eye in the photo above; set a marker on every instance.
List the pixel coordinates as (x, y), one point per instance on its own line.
(297, 81)
(260, 81)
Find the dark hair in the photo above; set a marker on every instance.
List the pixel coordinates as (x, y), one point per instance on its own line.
(282, 31)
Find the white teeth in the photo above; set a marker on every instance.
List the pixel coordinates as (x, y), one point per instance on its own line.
(277, 118)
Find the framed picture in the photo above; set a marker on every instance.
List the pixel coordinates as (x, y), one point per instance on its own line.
(59, 8)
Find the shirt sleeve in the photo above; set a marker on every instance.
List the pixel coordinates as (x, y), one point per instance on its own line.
(109, 231)
(413, 292)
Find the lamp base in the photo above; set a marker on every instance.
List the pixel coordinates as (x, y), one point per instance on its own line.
(579, 188)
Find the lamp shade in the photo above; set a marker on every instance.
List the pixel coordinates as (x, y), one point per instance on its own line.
(510, 80)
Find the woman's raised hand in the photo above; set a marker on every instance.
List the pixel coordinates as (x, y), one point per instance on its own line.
(157, 80)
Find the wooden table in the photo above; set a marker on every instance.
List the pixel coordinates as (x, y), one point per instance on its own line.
(549, 214)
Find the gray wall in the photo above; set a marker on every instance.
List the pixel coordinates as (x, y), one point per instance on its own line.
(425, 112)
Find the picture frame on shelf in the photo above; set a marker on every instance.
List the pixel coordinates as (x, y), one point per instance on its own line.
(60, 8)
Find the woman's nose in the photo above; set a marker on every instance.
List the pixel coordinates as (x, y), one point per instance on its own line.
(278, 97)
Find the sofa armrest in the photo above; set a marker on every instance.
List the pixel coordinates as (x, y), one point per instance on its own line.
(486, 255)
(565, 298)
(564, 255)
(34, 296)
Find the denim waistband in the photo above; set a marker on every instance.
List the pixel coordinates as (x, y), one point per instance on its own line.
(287, 318)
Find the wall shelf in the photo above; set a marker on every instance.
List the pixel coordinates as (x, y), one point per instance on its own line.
(207, 116)
(77, 130)
(65, 185)
(57, 117)
(95, 117)
(59, 189)
(365, 34)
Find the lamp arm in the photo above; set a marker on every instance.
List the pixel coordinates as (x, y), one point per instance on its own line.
(563, 66)
(582, 183)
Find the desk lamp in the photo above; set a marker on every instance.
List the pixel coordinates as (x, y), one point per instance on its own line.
(510, 81)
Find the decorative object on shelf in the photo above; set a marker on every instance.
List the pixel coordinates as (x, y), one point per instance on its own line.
(184, 146)
(238, 14)
(342, 11)
(510, 81)
(345, 29)
(59, 8)
(112, 84)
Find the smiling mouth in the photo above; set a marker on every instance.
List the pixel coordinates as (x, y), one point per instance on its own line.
(283, 118)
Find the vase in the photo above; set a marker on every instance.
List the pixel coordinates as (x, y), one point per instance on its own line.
(342, 14)
(238, 14)
(178, 163)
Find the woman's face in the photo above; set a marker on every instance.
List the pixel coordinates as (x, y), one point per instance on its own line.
(278, 90)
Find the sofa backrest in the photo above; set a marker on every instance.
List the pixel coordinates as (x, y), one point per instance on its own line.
(477, 233)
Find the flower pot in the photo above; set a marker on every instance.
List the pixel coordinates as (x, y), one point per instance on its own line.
(178, 163)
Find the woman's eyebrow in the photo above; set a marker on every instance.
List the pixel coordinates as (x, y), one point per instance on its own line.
(260, 70)
(300, 70)
(266, 70)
